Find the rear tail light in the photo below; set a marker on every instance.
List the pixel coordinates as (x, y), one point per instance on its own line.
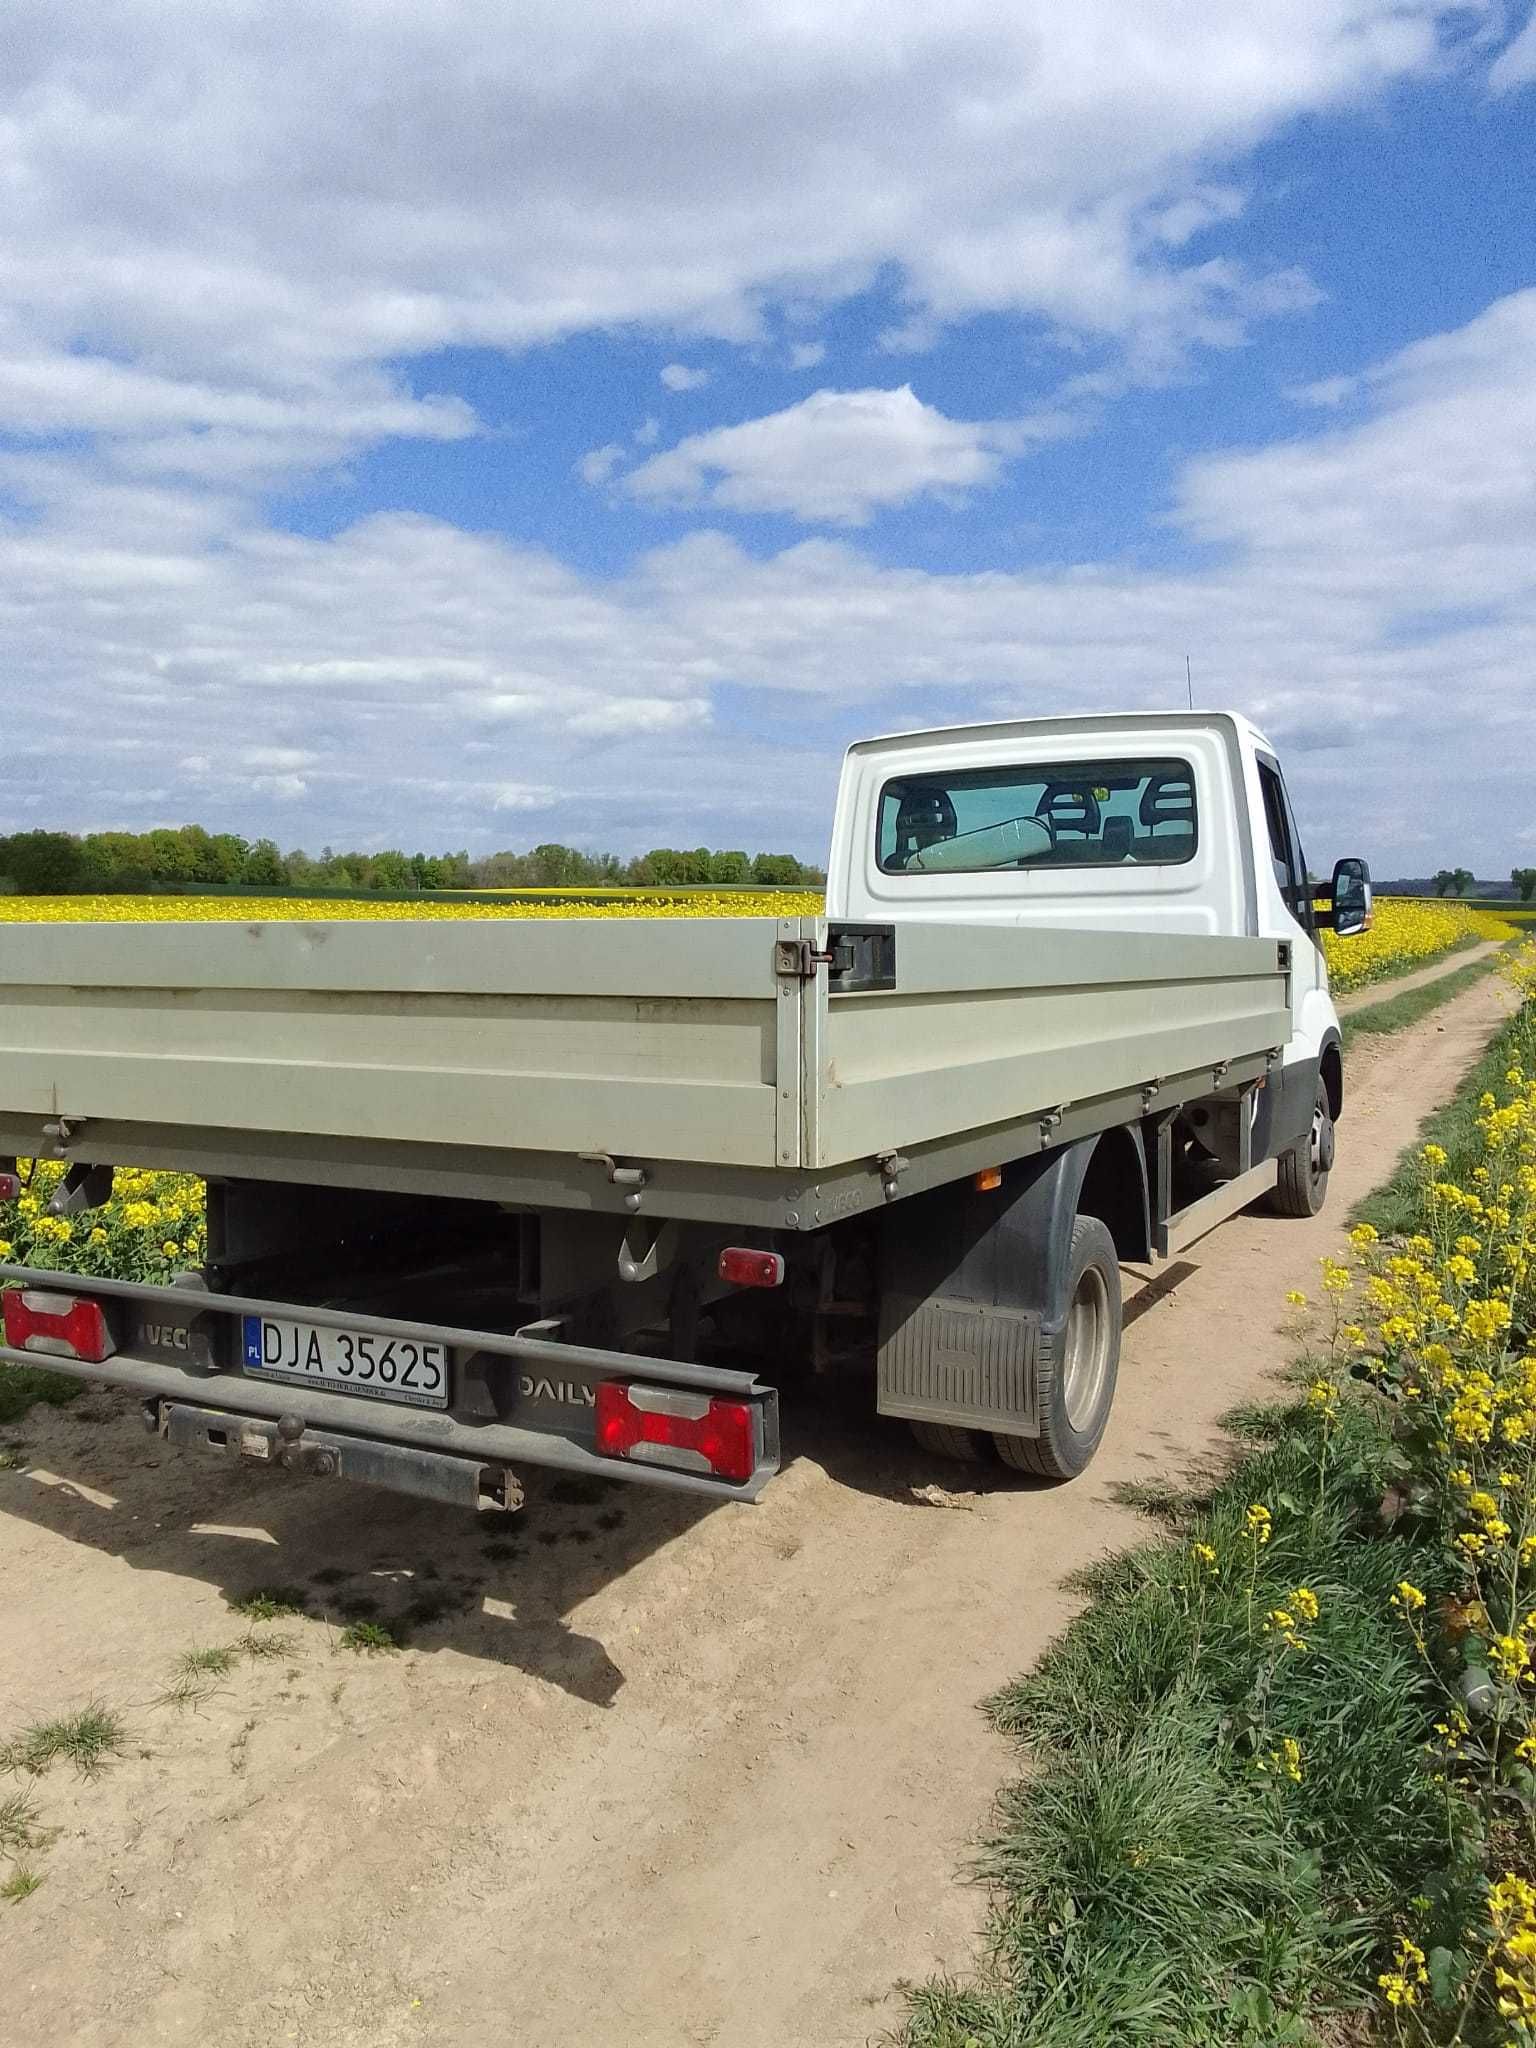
(665, 1426)
(10, 1186)
(742, 1267)
(58, 1324)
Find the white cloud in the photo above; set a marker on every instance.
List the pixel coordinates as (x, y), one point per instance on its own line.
(648, 433)
(805, 355)
(598, 464)
(1372, 582)
(836, 458)
(678, 377)
(1516, 66)
(215, 223)
(515, 796)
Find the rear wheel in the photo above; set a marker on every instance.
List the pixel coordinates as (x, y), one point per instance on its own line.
(1077, 1366)
(1301, 1185)
(969, 1445)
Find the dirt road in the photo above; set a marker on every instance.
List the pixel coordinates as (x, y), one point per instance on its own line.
(650, 1777)
(1383, 991)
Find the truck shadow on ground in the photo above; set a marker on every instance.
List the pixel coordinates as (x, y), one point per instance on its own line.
(492, 1586)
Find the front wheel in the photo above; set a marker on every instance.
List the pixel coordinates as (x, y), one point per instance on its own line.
(1077, 1366)
(1301, 1185)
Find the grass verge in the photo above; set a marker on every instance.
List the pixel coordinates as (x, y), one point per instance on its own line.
(1396, 1013)
(1272, 1773)
(1196, 1854)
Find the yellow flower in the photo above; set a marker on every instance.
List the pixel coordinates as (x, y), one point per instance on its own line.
(1510, 1657)
(1296, 1298)
(1258, 1522)
(1407, 1597)
(1402, 1983)
(1205, 1557)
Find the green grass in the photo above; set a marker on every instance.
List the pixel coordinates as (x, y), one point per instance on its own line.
(1393, 1208)
(21, 1386)
(88, 1739)
(1158, 1889)
(1159, 1879)
(21, 1884)
(18, 1824)
(216, 1661)
(368, 1638)
(269, 1603)
(1396, 1013)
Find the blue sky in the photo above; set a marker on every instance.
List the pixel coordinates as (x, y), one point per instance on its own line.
(420, 428)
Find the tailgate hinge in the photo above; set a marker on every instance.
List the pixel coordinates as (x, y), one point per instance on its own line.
(797, 959)
(859, 958)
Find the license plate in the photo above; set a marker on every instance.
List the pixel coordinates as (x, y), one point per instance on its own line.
(347, 1361)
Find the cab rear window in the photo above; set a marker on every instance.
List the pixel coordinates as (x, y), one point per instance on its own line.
(1063, 814)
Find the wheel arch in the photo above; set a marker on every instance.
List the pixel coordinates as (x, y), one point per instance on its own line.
(1115, 1189)
(1330, 1066)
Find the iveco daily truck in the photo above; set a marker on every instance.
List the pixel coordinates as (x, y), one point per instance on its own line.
(492, 1194)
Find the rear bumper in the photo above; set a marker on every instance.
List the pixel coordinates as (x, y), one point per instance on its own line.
(202, 1331)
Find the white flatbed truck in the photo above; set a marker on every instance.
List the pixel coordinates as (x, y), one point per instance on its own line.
(491, 1194)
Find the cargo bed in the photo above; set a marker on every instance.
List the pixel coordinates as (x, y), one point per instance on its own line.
(727, 1058)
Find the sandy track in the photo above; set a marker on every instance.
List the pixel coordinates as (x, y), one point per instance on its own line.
(654, 1776)
(1383, 991)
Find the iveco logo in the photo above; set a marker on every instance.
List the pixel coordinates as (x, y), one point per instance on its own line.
(571, 1392)
(166, 1336)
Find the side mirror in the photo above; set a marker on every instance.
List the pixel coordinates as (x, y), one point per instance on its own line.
(1349, 910)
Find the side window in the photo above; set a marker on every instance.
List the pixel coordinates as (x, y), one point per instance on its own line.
(1285, 847)
(1302, 906)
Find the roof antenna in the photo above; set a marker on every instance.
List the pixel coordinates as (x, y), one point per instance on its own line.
(1189, 683)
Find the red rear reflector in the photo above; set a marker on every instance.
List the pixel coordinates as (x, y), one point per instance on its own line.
(990, 1177)
(57, 1324)
(741, 1267)
(649, 1424)
(10, 1186)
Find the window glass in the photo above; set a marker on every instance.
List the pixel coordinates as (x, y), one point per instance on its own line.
(1285, 846)
(1072, 814)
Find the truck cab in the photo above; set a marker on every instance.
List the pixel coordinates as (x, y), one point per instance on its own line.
(1165, 822)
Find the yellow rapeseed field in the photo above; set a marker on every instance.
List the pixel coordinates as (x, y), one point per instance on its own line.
(1408, 931)
(326, 910)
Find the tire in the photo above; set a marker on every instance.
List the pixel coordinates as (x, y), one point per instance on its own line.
(1301, 1187)
(1077, 1365)
(944, 1441)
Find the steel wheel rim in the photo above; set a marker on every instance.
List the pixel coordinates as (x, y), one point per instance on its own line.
(1086, 1362)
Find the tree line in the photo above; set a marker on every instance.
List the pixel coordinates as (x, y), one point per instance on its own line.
(188, 857)
(1457, 881)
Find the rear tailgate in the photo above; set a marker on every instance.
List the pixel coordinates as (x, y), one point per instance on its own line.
(651, 1038)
